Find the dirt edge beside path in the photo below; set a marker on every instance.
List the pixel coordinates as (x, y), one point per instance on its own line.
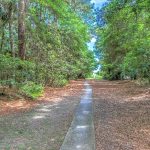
(43, 127)
(10, 105)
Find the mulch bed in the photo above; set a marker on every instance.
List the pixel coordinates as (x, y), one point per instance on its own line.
(122, 115)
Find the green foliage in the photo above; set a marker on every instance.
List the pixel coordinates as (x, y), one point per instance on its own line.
(123, 40)
(15, 71)
(143, 81)
(32, 90)
(56, 37)
(60, 82)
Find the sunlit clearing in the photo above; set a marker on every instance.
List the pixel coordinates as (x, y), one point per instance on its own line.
(48, 106)
(38, 117)
(44, 109)
(81, 127)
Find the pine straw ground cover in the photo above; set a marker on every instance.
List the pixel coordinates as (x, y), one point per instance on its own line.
(41, 124)
(122, 115)
(12, 102)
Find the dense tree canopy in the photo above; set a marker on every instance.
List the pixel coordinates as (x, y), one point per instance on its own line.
(123, 39)
(45, 42)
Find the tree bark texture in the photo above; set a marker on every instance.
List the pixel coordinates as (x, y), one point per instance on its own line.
(21, 29)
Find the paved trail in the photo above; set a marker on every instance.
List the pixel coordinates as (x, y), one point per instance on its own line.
(81, 133)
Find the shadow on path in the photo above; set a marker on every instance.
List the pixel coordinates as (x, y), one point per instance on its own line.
(42, 128)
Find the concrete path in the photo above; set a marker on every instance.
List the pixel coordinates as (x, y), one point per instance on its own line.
(81, 135)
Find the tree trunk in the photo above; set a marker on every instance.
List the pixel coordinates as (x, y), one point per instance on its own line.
(21, 29)
(3, 37)
(10, 28)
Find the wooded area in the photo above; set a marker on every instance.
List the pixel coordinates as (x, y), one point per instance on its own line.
(45, 42)
(124, 39)
(75, 74)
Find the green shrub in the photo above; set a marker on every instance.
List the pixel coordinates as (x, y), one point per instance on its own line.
(98, 77)
(143, 81)
(60, 83)
(14, 71)
(32, 90)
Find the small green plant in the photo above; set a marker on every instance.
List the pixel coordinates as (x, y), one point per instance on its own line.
(98, 77)
(60, 83)
(143, 81)
(32, 90)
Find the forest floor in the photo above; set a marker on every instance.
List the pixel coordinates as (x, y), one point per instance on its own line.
(41, 124)
(13, 103)
(121, 117)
